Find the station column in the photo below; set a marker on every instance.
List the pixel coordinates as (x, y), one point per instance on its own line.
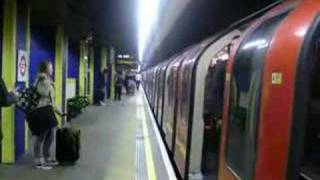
(9, 77)
(113, 72)
(82, 68)
(91, 74)
(59, 67)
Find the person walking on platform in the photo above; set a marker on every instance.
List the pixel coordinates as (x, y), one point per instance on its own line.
(106, 82)
(101, 90)
(118, 86)
(42, 120)
(138, 81)
(131, 86)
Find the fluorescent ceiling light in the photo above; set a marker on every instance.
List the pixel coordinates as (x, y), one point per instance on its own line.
(147, 17)
(259, 43)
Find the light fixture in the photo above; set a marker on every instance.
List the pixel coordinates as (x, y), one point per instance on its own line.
(259, 43)
(147, 17)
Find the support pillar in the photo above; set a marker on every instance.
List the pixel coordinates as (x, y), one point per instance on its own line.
(9, 77)
(82, 68)
(58, 67)
(91, 74)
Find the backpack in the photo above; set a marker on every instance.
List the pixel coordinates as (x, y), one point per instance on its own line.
(28, 99)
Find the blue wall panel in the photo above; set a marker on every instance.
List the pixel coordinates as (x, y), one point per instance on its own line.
(42, 48)
(97, 74)
(21, 45)
(74, 55)
(73, 62)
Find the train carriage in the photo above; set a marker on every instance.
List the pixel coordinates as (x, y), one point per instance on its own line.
(271, 115)
(169, 124)
(270, 126)
(161, 93)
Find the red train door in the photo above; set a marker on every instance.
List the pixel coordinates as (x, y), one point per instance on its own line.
(242, 115)
(304, 150)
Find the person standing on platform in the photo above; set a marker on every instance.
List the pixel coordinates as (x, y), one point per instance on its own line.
(106, 86)
(101, 90)
(6, 99)
(42, 120)
(126, 82)
(118, 86)
(138, 81)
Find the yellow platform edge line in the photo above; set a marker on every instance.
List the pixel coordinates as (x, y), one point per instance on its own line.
(148, 148)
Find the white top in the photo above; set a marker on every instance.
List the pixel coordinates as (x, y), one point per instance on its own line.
(45, 88)
(138, 77)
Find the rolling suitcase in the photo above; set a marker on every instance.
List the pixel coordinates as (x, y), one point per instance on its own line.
(67, 145)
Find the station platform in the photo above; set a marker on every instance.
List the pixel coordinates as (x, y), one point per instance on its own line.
(119, 141)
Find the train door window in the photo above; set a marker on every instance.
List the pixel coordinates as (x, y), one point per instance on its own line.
(185, 97)
(169, 117)
(310, 168)
(310, 165)
(212, 111)
(245, 99)
(160, 100)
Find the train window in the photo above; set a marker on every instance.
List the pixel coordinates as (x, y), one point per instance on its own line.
(310, 166)
(214, 86)
(185, 98)
(212, 112)
(245, 98)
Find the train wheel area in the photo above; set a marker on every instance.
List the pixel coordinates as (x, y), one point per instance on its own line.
(119, 141)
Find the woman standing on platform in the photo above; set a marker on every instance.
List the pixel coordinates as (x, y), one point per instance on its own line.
(42, 120)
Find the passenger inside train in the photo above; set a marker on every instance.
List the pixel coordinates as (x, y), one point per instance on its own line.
(212, 114)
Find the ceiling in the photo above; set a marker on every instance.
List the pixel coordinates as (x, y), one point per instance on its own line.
(113, 22)
(198, 20)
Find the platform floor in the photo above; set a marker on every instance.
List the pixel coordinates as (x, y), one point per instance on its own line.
(118, 143)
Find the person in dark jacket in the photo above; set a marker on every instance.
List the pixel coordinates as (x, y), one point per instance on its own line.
(6, 99)
(106, 84)
(212, 112)
(118, 86)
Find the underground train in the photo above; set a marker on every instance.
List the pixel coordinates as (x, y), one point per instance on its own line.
(245, 104)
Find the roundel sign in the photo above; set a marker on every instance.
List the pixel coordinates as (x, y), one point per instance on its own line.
(22, 66)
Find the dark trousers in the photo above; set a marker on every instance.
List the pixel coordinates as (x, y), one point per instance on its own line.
(138, 85)
(118, 92)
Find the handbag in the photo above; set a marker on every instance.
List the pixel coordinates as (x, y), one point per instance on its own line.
(28, 99)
